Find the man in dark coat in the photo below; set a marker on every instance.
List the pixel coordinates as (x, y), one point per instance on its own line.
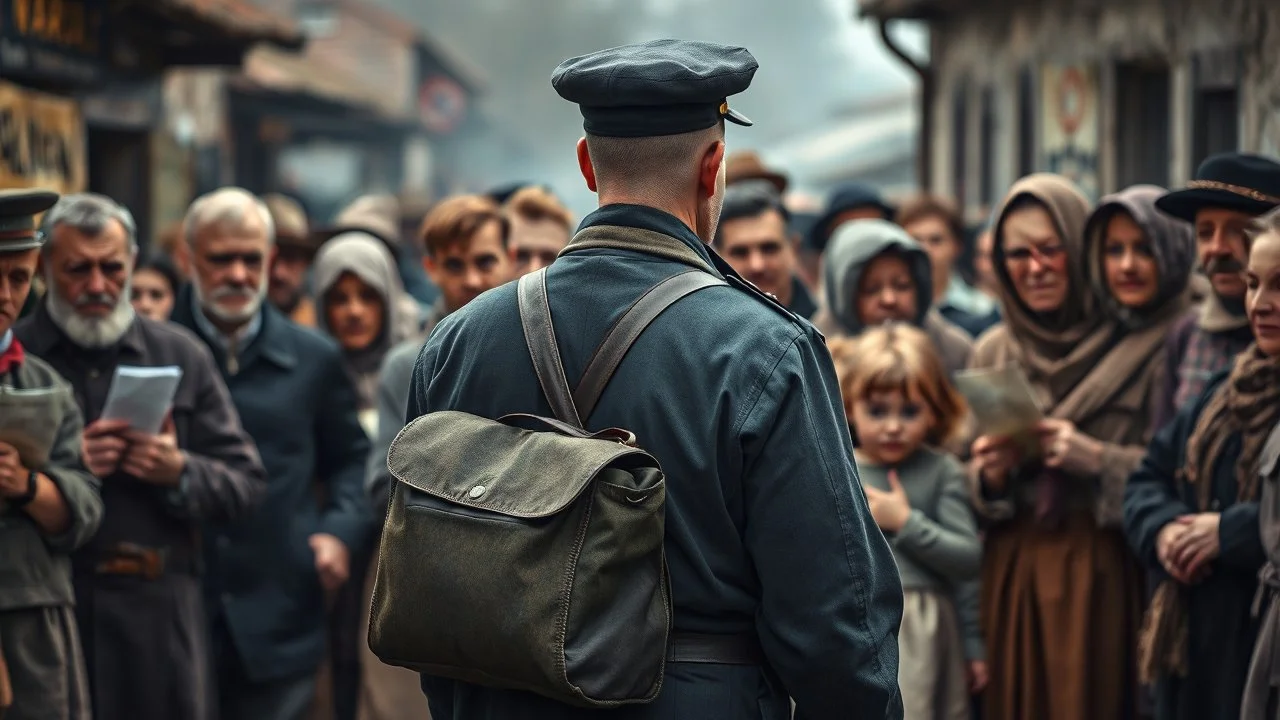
(49, 504)
(1229, 192)
(753, 236)
(268, 574)
(768, 536)
(138, 602)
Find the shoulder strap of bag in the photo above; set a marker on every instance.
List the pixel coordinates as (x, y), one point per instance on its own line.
(575, 406)
(540, 336)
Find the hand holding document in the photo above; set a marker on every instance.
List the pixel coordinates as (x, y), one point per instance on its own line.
(1003, 405)
(142, 396)
(29, 421)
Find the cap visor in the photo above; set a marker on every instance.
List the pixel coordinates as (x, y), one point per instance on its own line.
(738, 118)
(13, 246)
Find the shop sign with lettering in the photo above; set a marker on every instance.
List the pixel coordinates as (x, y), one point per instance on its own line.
(61, 40)
(42, 141)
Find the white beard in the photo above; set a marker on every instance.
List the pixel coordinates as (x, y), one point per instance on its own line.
(87, 332)
(231, 316)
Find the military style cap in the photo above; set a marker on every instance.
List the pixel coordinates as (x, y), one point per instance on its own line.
(18, 209)
(660, 87)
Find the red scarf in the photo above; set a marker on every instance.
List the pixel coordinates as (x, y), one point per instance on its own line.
(12, 357)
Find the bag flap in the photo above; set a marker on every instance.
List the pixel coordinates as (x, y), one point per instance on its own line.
(490, 465)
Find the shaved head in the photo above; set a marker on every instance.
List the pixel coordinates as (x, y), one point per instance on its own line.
(662, 171)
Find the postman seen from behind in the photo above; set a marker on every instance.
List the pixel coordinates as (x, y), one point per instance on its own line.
(780, 583)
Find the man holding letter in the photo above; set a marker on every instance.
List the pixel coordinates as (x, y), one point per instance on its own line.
(137, 584)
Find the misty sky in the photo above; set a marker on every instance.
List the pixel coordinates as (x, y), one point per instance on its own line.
(816, 61)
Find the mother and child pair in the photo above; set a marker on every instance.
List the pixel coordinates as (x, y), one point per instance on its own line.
(904, 415)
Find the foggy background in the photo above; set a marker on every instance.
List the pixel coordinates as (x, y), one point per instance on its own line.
(817, 63)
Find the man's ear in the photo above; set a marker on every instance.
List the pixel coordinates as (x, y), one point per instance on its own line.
(584, 164)
(709, 170)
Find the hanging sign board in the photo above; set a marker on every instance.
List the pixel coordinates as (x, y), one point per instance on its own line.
(42, 141)
(1069, 124)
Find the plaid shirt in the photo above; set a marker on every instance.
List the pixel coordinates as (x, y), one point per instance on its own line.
(1193, 357)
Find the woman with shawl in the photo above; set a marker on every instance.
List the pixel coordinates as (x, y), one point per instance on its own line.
(363, 306)
(1191, 512)
(873, 273)
(1262, 691)
(360, 303)
(1061, 595)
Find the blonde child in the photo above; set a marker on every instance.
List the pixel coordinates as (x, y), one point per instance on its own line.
(901, 406)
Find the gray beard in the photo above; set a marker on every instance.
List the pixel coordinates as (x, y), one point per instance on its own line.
(243, 315)
(91, 333)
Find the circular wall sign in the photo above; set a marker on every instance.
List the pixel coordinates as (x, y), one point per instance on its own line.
(1073, 100)
(442, 104)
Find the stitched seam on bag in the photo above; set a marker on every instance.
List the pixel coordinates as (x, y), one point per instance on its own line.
(562, 622)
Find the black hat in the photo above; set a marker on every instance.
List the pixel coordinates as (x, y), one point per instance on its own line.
(503, 193)
(1231, 181)
(852, 196)
(660, 87)
(18, 210)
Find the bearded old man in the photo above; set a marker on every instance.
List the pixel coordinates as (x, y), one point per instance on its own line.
(268, 574)
(137, 582)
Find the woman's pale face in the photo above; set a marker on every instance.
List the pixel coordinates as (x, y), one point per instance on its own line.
(1262, 293)
(152, 296)
(1129, 262)
(354, 312)
(887, 292)
(1035, 259)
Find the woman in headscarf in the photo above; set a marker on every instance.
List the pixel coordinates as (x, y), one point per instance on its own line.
(363, 306)
(873, 273)
(1140, 266)
(1061, 594)
(359, 302)
(1191, 512)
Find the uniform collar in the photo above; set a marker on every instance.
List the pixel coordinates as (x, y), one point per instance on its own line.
(647, 218)
(641, 217)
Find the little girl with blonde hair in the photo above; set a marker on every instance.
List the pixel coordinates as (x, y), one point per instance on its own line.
(901, 407)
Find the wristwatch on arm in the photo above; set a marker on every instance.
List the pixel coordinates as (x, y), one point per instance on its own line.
(25, 499)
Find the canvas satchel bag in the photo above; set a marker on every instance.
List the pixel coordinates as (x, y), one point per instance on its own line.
(527, 553)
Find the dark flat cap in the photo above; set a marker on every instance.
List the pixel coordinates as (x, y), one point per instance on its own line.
(660, 87)
(18, 210)
(1230, 181)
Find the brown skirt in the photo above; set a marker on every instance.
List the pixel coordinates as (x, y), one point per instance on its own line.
(1060, 614)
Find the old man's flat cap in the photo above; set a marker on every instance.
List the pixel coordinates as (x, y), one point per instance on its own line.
(18, 210)
(660, 87)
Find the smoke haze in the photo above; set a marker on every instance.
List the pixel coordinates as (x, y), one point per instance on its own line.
(816, 61)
